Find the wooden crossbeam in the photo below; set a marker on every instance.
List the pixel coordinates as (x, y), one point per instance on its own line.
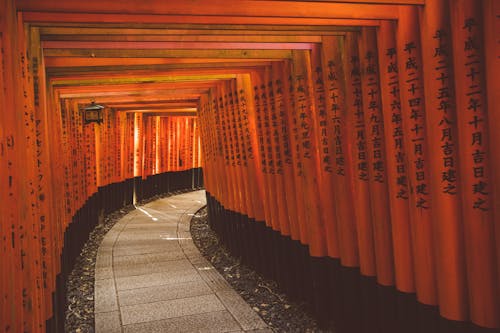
(127, 45)
(193, 30)
(245, 8)
(143, 53)
(76, 62)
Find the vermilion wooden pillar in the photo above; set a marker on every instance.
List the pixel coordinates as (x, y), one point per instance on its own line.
(283, 113)
(374, 129)
(275, 87)
(275, 195)
(358, 153)
(324, 136)
(442, 137)
(259, 107)
(491, 15)
(475, 161)
(397, 168)
(292, 122)
(337, 109)
(310, 158)
(247, 108)
(413, 112)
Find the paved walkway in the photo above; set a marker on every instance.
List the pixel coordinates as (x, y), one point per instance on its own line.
(150, 276)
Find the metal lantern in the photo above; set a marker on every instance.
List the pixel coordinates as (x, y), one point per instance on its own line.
(93, 113)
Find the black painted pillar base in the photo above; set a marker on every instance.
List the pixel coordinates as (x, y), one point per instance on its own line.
(339, 297)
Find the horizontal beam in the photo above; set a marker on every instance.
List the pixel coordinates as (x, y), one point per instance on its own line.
(185, 73)
(171, 114)
(128, 79)
(52, 62)
(197, 30)
(121, 53)
(157, 93)
(126, 45)
(189, 38)
(163, 21)
(244, 8)
(158, 110)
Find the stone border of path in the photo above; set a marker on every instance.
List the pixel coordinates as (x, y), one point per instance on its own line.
(150, 277)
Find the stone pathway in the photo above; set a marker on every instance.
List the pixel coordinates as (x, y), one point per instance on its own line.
(150, 277)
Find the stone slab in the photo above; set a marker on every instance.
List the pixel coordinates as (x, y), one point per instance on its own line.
(169, 309)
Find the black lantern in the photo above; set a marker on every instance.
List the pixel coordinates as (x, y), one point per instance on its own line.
(93, 113)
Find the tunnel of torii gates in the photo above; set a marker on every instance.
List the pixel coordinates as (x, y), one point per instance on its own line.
(340, 142)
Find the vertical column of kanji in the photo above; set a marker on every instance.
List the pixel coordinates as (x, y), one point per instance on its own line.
(108, 144)
(397, 175)
(90, 159)
(475, 169)
(250, 125)
(129, 145)
(57, 160)
(154, 145)
(5, 250)
(192, 142)
(81, 157)
(178, 144)
(227, 192)
(325, 139)
(491, 13)
(30, 233)
(237, 160)
(117, 145)
(163, 144)
(12, 162)
(310, 158)
(335, 90)
(372, 109)
(413, 111)
(265, 106)
(356, 140)
(218, 149)
(206, 142)
(146, 123)
(192, 146)
(216, 146)
(65, 148)
(188, 147)
(182, 142)
(276, 168)
(256, 79)
(286, 163)
(442, 137)
(157, 150)
(122, 141)
(187, 144)
(43, 174)
(98, 154)
(237, 205)
(168, 127)
(137, 144)
(293, 121)
(146, 154)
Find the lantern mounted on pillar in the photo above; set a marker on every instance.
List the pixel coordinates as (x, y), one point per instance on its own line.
(93, 113)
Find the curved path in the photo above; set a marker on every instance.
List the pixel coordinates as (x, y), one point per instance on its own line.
(150, 277)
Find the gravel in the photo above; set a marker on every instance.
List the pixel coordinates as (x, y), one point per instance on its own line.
(80, 284)
(274, 307)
